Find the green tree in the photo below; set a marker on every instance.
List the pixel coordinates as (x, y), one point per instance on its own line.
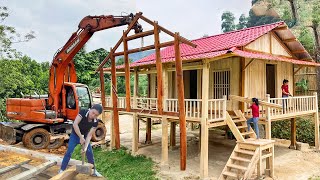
(9, 36)
(242, 22)
(227, 19)
(86, 63)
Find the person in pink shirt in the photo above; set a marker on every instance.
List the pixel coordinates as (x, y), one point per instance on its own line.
(255, 116)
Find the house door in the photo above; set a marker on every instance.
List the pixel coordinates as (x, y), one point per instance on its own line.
(271, 80)
(193, 84)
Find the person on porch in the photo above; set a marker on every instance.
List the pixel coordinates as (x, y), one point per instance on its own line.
(285, 93)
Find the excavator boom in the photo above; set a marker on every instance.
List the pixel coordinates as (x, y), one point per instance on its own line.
(62, 68)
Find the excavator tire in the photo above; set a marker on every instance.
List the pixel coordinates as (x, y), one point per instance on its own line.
(55, 144)
(100, 133)
(37, 138)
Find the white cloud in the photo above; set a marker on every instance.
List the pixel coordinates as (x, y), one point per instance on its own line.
(55, 21)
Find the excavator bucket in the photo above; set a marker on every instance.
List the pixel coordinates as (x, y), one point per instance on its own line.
(8, 132)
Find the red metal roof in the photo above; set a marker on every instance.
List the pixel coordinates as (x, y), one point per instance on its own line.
(257, 55)
(215, 43)
(214, 46)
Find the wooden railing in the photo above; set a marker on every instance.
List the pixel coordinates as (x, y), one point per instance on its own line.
(293, 105)
(217, 109)
(147, 103)
(192, 107)
(290, 106)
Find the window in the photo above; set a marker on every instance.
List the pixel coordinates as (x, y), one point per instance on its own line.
(83, 97)
(221, 84)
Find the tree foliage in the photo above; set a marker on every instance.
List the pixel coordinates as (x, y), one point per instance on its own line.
(243, 20)
(9, 36)
(227, 19)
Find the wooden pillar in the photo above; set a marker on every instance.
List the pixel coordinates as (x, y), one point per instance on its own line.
(268, 123)
(182, 117)
(135, 132)
(135, 88)
(148, 131)
(164, 141)
(165, 76)
(242, 82)
(103, 94)
(316, 121)
(173, 134)
(115, 101)
(293, 134)
(127, 71)
(159, 68)
(204, 125)
(112, 135)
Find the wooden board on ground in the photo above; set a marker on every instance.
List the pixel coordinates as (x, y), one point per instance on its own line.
(32, 172)
(12, 167)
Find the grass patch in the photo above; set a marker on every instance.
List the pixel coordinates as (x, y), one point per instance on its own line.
(118, 164)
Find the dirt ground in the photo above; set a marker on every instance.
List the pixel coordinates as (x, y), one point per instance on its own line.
(289, 164)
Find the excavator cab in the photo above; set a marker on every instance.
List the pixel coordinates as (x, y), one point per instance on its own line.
(78, 97)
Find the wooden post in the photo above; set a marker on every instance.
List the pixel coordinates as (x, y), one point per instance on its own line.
(127, 71)
(316, 121)
(112, 135)
(135, 88)
(173, 134)
(182, 117)
(115, 101)
(148, 131)
(242, 82)
(268, 123)
(159, 68)
(204, 125)
(165, 76)
(103, 94)
(164, 156)
(293, 134)
(135, 137)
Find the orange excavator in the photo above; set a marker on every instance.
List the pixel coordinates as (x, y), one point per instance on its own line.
(45, 121)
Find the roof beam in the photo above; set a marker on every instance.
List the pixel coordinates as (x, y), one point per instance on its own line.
(299, 51)
(281, 28)
(247, 65)
(139, 35)
(289, 40)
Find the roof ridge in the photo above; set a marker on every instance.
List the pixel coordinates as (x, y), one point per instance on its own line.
(244, 29)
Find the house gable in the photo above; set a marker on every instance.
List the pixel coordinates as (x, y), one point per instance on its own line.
(268, 43)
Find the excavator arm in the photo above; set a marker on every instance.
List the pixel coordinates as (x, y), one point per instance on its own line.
(62, 68)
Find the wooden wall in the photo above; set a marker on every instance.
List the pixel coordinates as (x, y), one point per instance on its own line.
(255, 84)
(268, 43)
(232, 64)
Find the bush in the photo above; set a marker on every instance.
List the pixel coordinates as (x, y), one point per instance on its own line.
(305, 130)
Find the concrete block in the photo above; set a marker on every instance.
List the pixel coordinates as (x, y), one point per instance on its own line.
(302, 146)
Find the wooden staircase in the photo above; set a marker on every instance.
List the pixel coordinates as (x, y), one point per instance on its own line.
(244, 158)
(237, 123)
(241, 164)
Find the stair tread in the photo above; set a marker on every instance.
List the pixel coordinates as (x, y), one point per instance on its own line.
(239, 120)
(241, 127)
(240, 159)
(235, 117)
(247, 133)
(243, 151)
(231, 174)
(237, 166)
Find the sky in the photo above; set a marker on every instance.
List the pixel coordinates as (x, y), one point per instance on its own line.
(54, 21)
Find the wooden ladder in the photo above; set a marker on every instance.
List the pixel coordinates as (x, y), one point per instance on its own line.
(241, 164)
(238, 125)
